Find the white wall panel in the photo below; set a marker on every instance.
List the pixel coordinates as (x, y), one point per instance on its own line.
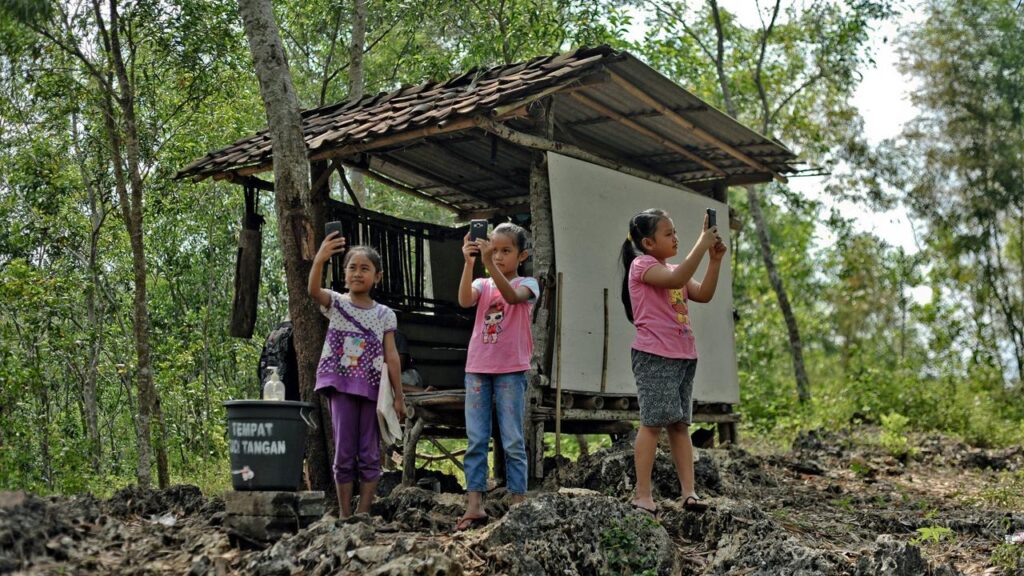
(591, 207)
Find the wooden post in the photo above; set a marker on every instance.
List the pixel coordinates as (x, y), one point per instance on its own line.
(604, 349)
(413, 430)
(543, 234)
(558, 380)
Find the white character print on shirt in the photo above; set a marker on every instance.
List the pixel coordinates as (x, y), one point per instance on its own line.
(492, 322)
(352, 349)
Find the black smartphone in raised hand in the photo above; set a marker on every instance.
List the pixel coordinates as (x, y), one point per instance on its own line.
(335, 226)
(712, 218)
(478, 229)
(337, 279)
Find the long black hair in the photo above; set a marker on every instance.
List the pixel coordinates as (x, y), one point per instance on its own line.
(642, 225)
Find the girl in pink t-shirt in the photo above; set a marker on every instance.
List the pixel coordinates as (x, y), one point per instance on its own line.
(497, 361)
(664, 353)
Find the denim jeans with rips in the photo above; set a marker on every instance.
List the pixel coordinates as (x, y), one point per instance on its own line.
(508, 393)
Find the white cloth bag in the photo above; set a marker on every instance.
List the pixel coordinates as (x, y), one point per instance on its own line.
(387, 418)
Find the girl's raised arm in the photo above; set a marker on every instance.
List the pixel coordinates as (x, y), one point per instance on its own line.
(704, 290)
(662, 277)
(331, 245)
(468, 296)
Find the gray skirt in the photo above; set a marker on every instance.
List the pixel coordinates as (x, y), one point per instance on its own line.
(664, 388)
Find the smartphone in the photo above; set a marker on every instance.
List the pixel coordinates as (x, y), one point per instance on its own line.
(334, 226)
(712, 218)
(478, 229)
(337, 279)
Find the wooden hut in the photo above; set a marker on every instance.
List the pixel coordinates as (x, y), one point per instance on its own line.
(570, 146)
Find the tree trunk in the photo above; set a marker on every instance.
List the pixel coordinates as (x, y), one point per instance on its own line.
(292, 201)
(543, 256)
(97, 214)
(795, 343)
(132, 211)
(356, 82)
(761, 227)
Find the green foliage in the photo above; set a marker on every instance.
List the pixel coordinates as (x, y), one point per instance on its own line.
(1009, 556)
(626, 547)
(932, 535)
(893, 436)
(1005, 491)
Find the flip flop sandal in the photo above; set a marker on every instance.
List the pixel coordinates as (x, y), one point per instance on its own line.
(652, 513)
(470, 522)
(694, 504)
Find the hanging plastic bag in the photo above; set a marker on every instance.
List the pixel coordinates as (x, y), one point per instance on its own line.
(387, 418)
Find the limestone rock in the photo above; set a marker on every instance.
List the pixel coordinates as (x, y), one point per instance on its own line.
(577, 535)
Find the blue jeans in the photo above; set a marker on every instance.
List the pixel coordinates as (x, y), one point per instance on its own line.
(508, 391)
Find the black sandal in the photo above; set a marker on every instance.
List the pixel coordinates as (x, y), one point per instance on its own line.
(694, 504)
(652, 513)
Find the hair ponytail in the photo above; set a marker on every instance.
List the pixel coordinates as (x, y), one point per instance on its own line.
(627, 255)
(642, 225)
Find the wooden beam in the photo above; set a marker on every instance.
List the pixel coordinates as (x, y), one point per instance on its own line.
(575, 84)
(326, 175)
(252, 181)
(637, 127)
(488, 213)
(538, 143)
(698, 132)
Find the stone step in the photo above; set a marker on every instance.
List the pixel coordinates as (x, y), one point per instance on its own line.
(275, 504)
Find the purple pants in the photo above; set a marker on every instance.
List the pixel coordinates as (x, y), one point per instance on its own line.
(356, 438)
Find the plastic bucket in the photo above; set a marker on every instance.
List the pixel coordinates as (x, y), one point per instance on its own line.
(267, 442)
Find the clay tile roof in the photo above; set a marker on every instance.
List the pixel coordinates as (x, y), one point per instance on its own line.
(408, 108)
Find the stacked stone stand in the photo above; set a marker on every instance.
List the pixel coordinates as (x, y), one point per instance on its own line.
(259, 518)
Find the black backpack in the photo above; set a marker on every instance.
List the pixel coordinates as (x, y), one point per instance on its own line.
(279, 350)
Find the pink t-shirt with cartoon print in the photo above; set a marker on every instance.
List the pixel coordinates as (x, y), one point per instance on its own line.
(501, 340)
(661, 316)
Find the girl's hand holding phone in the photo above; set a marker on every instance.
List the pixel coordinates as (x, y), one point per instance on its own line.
(470, 249)
(709, 237)
(717, 250)
(332, 244)
(486, 249)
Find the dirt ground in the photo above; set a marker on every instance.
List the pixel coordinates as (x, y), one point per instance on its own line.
(835, 503)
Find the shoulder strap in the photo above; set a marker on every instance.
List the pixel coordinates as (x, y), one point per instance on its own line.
(369, 333)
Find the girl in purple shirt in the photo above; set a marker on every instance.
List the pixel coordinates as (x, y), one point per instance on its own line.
(360, 342)
(664, 353)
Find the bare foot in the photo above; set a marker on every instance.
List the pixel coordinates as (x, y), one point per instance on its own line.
(467, 522)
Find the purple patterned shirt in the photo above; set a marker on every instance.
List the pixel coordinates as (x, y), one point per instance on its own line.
(351, 359)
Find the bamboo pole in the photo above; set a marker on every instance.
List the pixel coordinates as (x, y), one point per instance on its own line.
(558, 380)
(604, 349)
(698, 132)
(618, 404)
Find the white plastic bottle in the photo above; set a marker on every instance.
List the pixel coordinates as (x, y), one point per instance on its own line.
(274, 388)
